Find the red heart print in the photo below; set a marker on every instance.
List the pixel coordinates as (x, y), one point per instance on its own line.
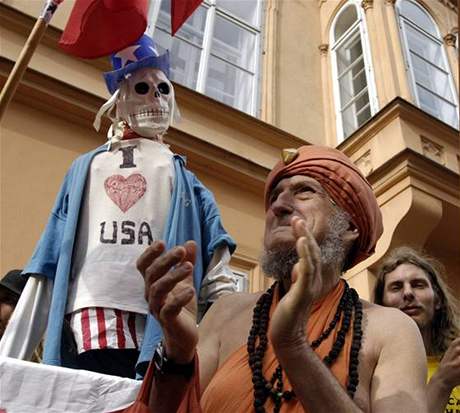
(125, 192)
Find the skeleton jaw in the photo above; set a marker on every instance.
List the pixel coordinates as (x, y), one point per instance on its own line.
(150, 115)
(149, 122)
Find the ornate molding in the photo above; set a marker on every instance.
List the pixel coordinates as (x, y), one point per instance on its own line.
(367, 4)
(323, 48)
(433, 151)
(390, 2)
(450, 39)
(451, 4)
(364, 163)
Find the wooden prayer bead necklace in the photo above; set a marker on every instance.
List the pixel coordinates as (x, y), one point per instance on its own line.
(274, 388)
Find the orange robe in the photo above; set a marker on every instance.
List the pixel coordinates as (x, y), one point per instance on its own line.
(231, 389)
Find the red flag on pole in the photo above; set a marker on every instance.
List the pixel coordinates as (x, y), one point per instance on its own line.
(100, 27)
(181, 10)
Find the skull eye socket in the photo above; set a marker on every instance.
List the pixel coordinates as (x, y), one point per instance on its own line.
(164, 88)
(141, 88)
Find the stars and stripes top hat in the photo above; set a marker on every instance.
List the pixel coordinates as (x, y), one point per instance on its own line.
(141, 54)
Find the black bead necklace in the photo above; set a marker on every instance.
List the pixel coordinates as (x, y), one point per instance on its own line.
(258, 341)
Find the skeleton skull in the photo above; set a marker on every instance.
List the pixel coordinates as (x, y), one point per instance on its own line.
(146, 102)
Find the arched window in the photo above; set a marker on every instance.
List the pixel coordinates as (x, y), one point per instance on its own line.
(426, 62)
(354, 89)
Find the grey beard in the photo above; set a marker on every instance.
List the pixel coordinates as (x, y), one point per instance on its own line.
(332, 247)
(278, 263)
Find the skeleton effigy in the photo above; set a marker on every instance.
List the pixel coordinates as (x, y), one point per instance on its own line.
(84, 287)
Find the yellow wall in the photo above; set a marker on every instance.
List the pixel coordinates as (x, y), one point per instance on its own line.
(36, 151)
(411, 159)
(298, 68)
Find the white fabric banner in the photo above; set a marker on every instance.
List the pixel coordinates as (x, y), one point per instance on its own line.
(27, 325)
(27, 387)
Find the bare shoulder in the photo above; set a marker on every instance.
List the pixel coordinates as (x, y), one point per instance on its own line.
(399, 374)
(389, 328)
(386, 319)
(232, 306)
(237, 301)
(229, 307)
(229, 321)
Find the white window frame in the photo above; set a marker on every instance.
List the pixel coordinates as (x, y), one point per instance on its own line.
(212, 12)
(402, 22)
(359, 26)
(244, 277)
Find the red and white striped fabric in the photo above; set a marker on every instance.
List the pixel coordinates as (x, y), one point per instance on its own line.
(98, 328)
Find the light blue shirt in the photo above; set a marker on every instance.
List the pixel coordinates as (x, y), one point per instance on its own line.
(193, 215)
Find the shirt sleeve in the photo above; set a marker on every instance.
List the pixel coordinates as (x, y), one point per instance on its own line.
(46, 254)
(219, 278)
(213, 234)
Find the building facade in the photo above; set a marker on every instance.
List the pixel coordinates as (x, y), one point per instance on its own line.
(378, 79)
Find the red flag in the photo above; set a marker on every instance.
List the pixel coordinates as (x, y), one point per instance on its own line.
(100, 27)
(181, 10)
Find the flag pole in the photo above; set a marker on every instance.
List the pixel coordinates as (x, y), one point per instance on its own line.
(26, 54)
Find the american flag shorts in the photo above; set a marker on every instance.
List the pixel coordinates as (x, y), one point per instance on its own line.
(97, 328)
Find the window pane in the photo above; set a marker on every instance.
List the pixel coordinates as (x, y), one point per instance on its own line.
(432, 78)
(192, 30)
(349, 121)
(352, 82)
(247, 10)
(344, 21)
(356, 114)
(234, 44)
(229, 85)
(361, 102)
(364, 114)
(355, 105)
(417, 15)
(437, 107)
(164, 19)
(242, 282)
(425, 47)
(348, 53)
(184, 59)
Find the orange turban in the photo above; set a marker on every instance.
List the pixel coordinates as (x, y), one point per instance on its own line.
(345, 184)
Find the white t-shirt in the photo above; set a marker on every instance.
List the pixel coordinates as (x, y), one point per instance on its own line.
(124, 209)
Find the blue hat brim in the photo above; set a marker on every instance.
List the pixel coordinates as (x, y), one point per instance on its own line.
(113, 78)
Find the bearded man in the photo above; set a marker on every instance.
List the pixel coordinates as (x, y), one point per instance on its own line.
(413, 283)
(308, 344)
